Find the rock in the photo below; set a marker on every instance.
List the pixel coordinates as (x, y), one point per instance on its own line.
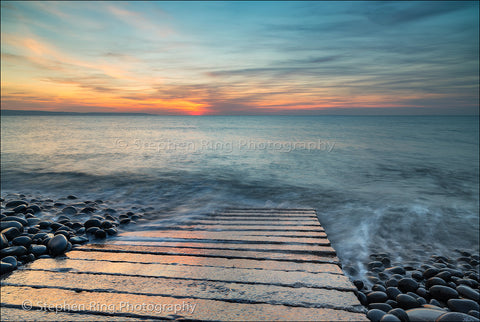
(33, 230)
(92, 223)
(375, 315)
(417, 275)
(27, 258)
(10, 233)
(407, 285)
(21, 220)
(407, 302)
(111, 231)
(372, 265)
(362, 298)
(442, 293)
(32, 221)
(389, 318)
(468, 292)
(38, 250)
(69, 210)
(22, 241)
(54, 226)
(462, 305)
(11, 260)
(92, 230)
(391, 282)
(393, 292)
(35, 208)
(15, 203)
(3, 241)
(106, 224)
(456, 317)
(87, 210)
(45, 224)
(78, 240)
(378, 287)
(474, 313)
(110, 211)
(6, 268)
(434, 281)
(444, 275)
(125, 221)
(422, 292)
(395, 270)
(400, 314)
(13, 251)
(72, 197)
(20, 209)
(100, 233)
(380, 306)
(392, 303)
(377, 297)
(423, 314)
(13, 223)
(435, 303)
(430, 272)
(57, 245)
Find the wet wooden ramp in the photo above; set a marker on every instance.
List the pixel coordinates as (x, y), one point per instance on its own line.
(237, 264)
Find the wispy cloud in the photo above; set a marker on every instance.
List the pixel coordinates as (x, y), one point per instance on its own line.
(226, 58)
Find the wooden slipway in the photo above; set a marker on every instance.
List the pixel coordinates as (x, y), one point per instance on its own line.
(237, 264)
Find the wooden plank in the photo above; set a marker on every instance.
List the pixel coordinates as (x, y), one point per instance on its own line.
(325, 255)
(167, 307)
(270, 265)
(225, 274)
(194, 289)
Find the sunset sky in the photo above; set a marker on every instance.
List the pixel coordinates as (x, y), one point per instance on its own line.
(241, 58)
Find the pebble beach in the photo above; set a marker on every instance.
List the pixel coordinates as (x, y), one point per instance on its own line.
(39, 228)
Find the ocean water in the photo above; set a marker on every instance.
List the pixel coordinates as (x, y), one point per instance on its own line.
(408, 186)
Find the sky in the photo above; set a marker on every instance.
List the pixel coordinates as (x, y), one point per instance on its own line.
(241, 58)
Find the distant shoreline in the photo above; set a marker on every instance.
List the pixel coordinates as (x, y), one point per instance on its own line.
(58, 113)
(31, 112)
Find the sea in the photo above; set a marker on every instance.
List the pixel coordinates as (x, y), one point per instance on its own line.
(403, 185)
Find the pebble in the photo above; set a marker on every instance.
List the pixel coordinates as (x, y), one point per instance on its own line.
(21, 220)
(3, 241)
(69, 210)
(8, 224)
(375, 315)
(456, 317)
(424, 314)
(468, 292)
(100, 233)
(92, 223)
(400, 314)
(395, 270)
(380, 306)
(434, 281)
(407, 302)
(462, 305)
(11, 232)
(22, 241)
(407, 285)
(389, 318)
(38, 250)
(57, 245)
(11, 260)
(442, 293)
(20, 209)
(15, 203)
(6, 268)
(14, 251)
(376, 297)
